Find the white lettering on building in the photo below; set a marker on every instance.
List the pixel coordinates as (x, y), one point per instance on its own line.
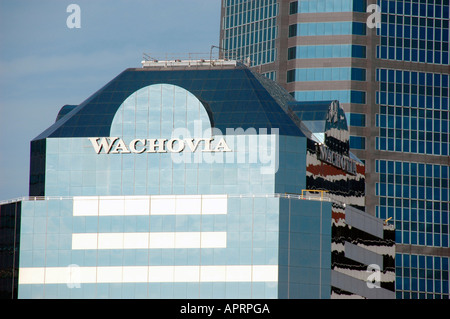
(334, 158)
(115, 145)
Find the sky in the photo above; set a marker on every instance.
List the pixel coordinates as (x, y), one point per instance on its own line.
(44, 64)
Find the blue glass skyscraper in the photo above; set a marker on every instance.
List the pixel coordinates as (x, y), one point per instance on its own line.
(193, 180)
(392, 80)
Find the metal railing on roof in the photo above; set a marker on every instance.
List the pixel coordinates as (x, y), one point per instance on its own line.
(219, 59)
(273, 195)
(34, 198)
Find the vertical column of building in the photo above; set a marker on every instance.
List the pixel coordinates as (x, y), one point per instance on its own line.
(412, 143)
(249, 33)
(9, 254)
(324, 51)
(393, 83)
(327, 56)
(331, 51)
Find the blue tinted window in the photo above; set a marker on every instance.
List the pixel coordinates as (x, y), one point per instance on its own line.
(359, 6)
(358, 142)
(358, 74)
(359, 28)
(343, 96)
(358, 97)
(421, 113)
(327, 28)
(358, 51)
(250, 30)
(326, 74)
(403, 21)
(356, 119)
(327, 51)
(311, 6)
(293, 7)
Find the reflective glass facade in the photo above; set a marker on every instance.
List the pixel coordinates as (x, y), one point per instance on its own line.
(414, 110)
(311, 6)
(9, 253)
(250, 30)
(413, 119)
(328, 74)
(422, 277)
(327, 51)
(327, 28)
(401, 119)
(127, 216)
(226, 251)
(357, 97)
(301, 32)
(161, 186)
(416, 31)
(416, 195)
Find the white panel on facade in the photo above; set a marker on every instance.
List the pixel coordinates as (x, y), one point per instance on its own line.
(187, 240)
(186, 274)
(160, 273)
(137, 206)
(135, 274)
(84, 241)
(188, 205)
(110, 241)
(119, 274)
(150, 205)
(149, 240)
(213, 273)
(162, 240)
(162, 205)
(263, 273)
(109, 274)
(87, 275)
(214, 240)
(136, 240)
(85, 206)
(214, 204)
(34, 275)
(239, 273)
(111, 206)
(57, 275)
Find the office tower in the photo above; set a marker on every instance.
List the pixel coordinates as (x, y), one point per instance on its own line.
(392, 80)
(162, 185)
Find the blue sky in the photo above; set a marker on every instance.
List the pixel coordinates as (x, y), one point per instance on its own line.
(45, 65)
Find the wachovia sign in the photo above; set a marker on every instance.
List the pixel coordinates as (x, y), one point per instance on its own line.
(343, 162)
(116, 145)
(237, 146)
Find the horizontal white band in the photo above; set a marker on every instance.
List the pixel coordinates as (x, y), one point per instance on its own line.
(149, 240)
(149, 205)
(73, 275)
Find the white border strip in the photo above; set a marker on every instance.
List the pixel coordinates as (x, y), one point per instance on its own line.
(150, 205)
(147, 274)
(151, 240)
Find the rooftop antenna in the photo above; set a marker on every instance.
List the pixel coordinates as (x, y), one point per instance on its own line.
(146, 57)
(210, 51)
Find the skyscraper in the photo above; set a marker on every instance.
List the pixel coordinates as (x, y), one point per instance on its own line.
(161, 185)
(392, 80)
